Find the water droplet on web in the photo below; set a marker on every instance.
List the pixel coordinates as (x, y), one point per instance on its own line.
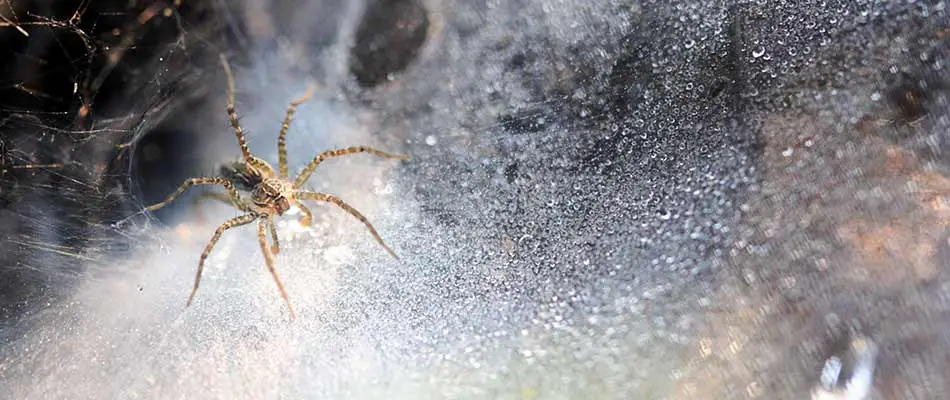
(430, 140)
(758, 52)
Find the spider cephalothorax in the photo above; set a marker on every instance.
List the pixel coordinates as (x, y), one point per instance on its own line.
(273, 196)
(272, 192)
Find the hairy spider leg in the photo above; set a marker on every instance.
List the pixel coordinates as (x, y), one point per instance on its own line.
(265, 170)
(273, 234)
(282, 137)
(231, 223)
(207, 195)
(269, 259)
(312, 166)
(232, 115)
(233, 195)
(307, 215)
(340, 203)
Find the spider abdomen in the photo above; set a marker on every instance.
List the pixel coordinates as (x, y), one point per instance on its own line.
(237, 173)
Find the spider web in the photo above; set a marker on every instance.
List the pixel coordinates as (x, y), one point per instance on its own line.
(614, 199)
(61, 159)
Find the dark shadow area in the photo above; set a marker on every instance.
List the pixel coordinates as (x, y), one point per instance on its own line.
(691, 200)
(389, 38)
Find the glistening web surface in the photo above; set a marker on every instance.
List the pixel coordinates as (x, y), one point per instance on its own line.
(618, 199)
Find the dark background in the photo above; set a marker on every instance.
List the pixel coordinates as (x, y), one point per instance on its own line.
(756, 179)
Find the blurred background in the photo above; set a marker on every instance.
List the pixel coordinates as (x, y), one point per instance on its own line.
(605, 200)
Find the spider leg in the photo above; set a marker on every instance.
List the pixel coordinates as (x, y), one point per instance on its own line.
(231, 223)
(263, 167)
(282, 137)
(233, 195)
(307, 215)
(269, 259)
(340, 203)
(208, 195)
(312, 166)
(273, 235)
(232, 115)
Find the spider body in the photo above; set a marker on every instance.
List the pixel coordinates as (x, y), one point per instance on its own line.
(273, 197)
(272, 192)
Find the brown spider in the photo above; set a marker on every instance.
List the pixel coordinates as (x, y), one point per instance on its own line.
(271, 195)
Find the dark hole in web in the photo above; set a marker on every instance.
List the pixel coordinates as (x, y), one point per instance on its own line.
(908, 97)
(388, 39)
(162, 160)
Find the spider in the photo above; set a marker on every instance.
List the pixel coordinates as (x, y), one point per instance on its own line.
(271, 193)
